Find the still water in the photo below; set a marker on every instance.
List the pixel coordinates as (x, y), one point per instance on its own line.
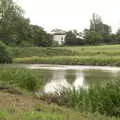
(56, 77)
(59, 76)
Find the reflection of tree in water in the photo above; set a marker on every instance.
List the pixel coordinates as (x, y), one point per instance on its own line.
(79, 81)
(59, 81)
(88, 78)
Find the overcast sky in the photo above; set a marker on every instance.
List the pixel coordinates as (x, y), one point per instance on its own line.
(70, 14)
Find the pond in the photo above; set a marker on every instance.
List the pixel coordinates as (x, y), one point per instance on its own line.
(58, 76)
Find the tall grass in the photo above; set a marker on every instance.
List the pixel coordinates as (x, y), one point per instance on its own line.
(101, 99)
(72, 60)
(18, 52)
(20, 78)
(80, 55)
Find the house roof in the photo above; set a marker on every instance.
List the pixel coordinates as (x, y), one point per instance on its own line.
(58, 32)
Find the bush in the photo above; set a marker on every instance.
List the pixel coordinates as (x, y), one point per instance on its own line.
(5, 56)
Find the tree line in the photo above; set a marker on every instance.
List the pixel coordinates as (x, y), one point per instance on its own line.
(16, 30)
(98, 33)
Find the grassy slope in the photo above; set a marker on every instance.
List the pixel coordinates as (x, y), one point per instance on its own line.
(80, 55)
(18, 52)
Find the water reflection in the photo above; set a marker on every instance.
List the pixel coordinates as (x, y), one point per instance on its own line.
(80, 81)
(58, 76)
(59, 81)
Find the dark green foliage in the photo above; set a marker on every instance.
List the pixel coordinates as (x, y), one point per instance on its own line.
(98, 32)
(40, 37)
(5, 56)
(70, 38)
(93, 38)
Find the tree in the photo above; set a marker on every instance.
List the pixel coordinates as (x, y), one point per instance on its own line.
(40, 37)
(96, 23)
(106, 29)
(117, 40)
(70, 38)
(98, 31)
(14, 28)
(5, 56)
(93, 38)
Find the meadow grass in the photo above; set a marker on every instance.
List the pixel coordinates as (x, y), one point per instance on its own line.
(72, 60)
(21, 78)
(78, 55)
(100, 99)
(18, 52)
(107, 50)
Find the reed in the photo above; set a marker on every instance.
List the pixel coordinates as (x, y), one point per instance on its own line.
(20, 78)
(101, 99)
(72, 60)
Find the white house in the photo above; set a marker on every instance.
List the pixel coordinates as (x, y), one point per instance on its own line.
(59, 36)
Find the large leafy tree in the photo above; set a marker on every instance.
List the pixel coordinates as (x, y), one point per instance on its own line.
(14, 28)
(40, 37)
(93, 38)
(98, 31)
(10, 13)
(97, 25)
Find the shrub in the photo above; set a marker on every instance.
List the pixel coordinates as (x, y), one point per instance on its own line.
(5, 56)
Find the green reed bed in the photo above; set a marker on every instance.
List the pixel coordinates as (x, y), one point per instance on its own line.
(100, 99)
(20, 78)
(72, 60)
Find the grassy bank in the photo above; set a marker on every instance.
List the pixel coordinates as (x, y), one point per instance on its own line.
(19, 107)
(72, 60)
(18, 52)
(104, 50)
(20, 79)
(87, 55)
(18, 102)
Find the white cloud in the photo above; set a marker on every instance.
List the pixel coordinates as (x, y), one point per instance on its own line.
(70, 14)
